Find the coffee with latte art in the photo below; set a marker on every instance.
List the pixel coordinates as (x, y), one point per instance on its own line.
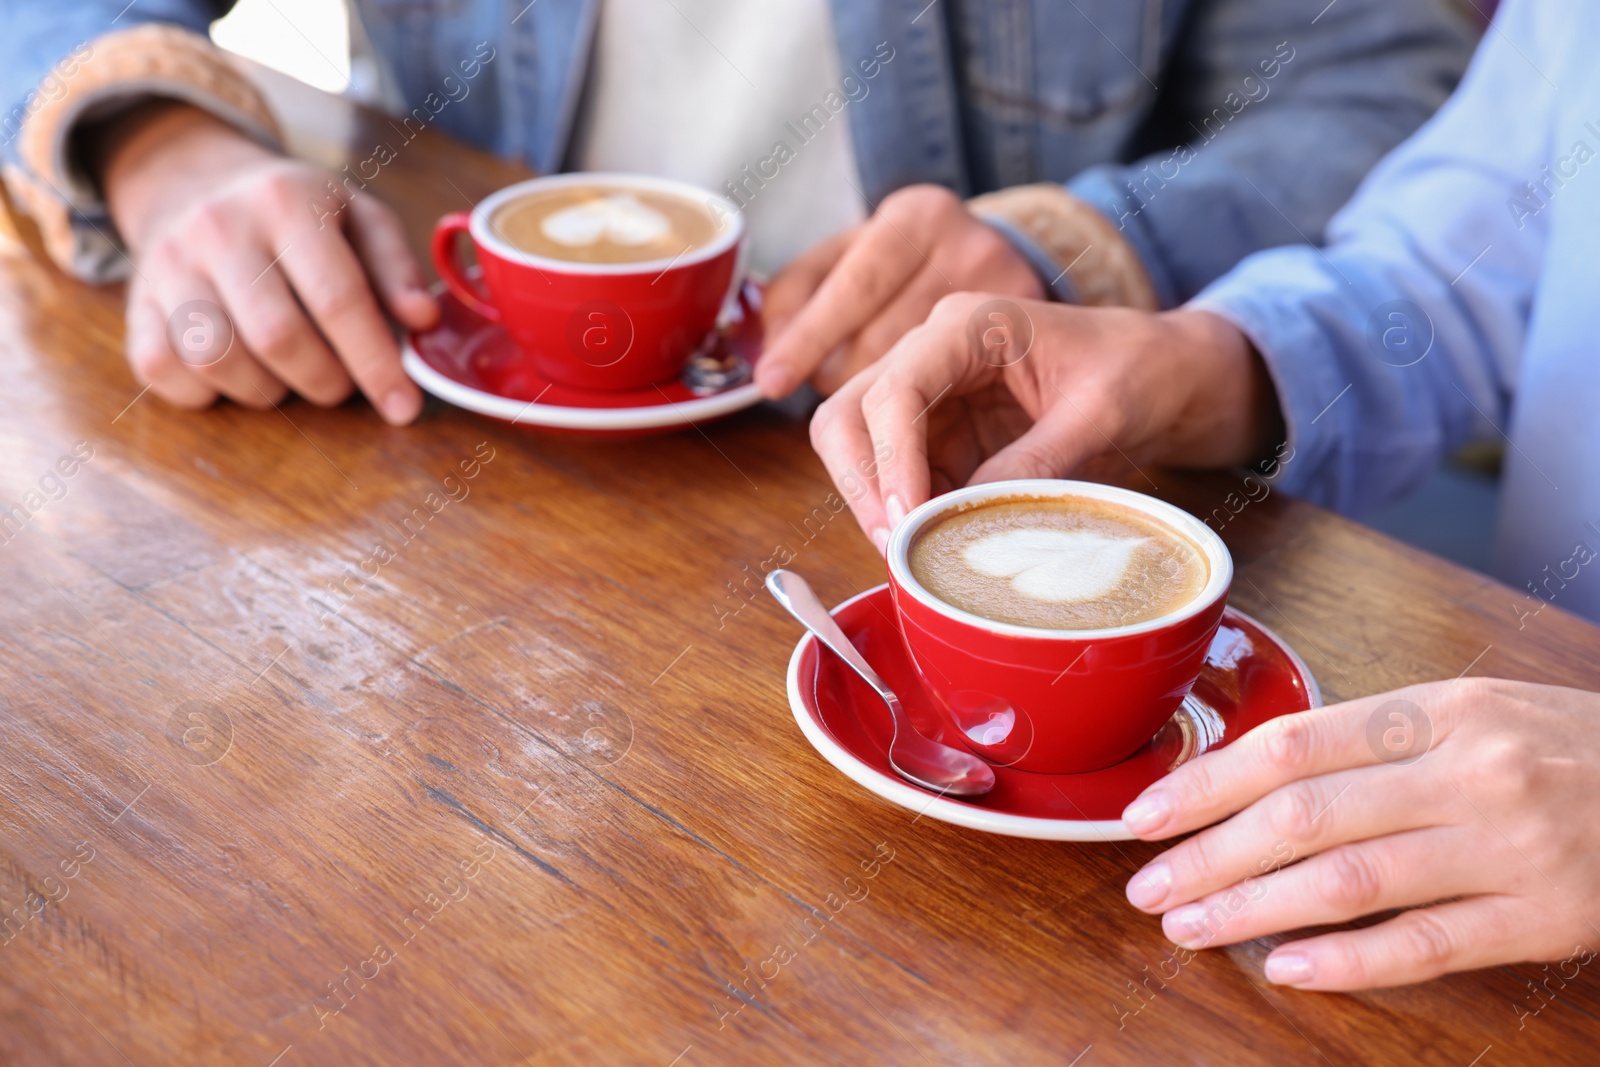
(1058, 563)
(605, 224)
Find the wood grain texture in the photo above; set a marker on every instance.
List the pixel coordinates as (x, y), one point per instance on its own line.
(532, 794)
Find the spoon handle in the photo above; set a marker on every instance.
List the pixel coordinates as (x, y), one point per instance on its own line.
(795, 594)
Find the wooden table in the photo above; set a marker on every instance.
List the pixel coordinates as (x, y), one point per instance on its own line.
(529, 763)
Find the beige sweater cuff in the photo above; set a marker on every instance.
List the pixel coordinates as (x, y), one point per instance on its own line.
(1102, 266)
(111, 73)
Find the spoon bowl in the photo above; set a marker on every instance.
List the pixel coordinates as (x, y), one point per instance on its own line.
(926, 763)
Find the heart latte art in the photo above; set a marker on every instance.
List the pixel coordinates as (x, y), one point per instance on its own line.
(1054, 565)
(598, 223)
(1058, 564)
(618, 218)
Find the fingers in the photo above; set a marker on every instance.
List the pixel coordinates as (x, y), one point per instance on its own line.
(908, 309)
(840, 437)
(929, 364)
(295, 291)
(795, 283)
(1052, 447)
(895, 409)
(1300, 819)
(380, 243)
(1412, 947)
(1344, 883)
(151, 358)
(874, 268)
(1219, 783)
(880, 419)
(231, 371)
(273, 327)
(328, 277)
(965, 431)
(853, 297)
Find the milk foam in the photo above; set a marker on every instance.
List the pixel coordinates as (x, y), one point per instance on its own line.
(1055, 565)
(619, 218)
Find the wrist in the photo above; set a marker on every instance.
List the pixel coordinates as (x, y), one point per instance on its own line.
(1227, 412)
(159, 157)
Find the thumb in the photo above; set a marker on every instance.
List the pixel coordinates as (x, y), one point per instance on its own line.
(1053, 447)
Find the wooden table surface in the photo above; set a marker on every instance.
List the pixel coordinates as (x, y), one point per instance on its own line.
(532, 796)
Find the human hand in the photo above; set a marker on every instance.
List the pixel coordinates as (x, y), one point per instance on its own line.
(845, 301)
(210, 215)
(990, 388)
(1495, 819)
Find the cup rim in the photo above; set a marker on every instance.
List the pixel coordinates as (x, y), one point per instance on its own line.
(485, 237)
(1217, 556)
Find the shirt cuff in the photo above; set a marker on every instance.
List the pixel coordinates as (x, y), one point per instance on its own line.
(122, 69)
(1086, 257)
(1051, 276)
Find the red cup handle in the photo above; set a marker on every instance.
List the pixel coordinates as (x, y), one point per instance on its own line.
(448, 264)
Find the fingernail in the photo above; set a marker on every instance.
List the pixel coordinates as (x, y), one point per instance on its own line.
(1149, 887)
(400, 406)
(1186, 926)
(1288, 968)
(895, 509)
(1148, 813)
(880, 538)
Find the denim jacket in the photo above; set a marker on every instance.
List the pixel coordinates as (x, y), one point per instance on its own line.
(1202, 130)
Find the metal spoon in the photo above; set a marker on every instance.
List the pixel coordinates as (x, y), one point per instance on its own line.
(927, 763)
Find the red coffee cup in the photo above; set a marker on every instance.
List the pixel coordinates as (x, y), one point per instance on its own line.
(1056, 701)
(596, 325)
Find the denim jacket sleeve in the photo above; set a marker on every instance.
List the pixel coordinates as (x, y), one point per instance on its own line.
(1278, 111)
(62, 64)
(1400, 340)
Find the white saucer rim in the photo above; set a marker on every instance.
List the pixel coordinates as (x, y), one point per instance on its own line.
(672, 413)
(913, 799)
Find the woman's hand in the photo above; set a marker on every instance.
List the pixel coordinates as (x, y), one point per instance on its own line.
(991, 388)
(1472, 803)
(845, 301)
(209, 215)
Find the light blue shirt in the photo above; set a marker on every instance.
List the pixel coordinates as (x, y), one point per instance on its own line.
(1458, 298)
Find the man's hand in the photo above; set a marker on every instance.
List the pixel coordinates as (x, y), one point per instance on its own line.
(843, 303)
(1478, 793)
(989, 388)
(210, 215)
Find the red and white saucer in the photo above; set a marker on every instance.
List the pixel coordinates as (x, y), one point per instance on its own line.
(473, 364)
(1250, 676)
